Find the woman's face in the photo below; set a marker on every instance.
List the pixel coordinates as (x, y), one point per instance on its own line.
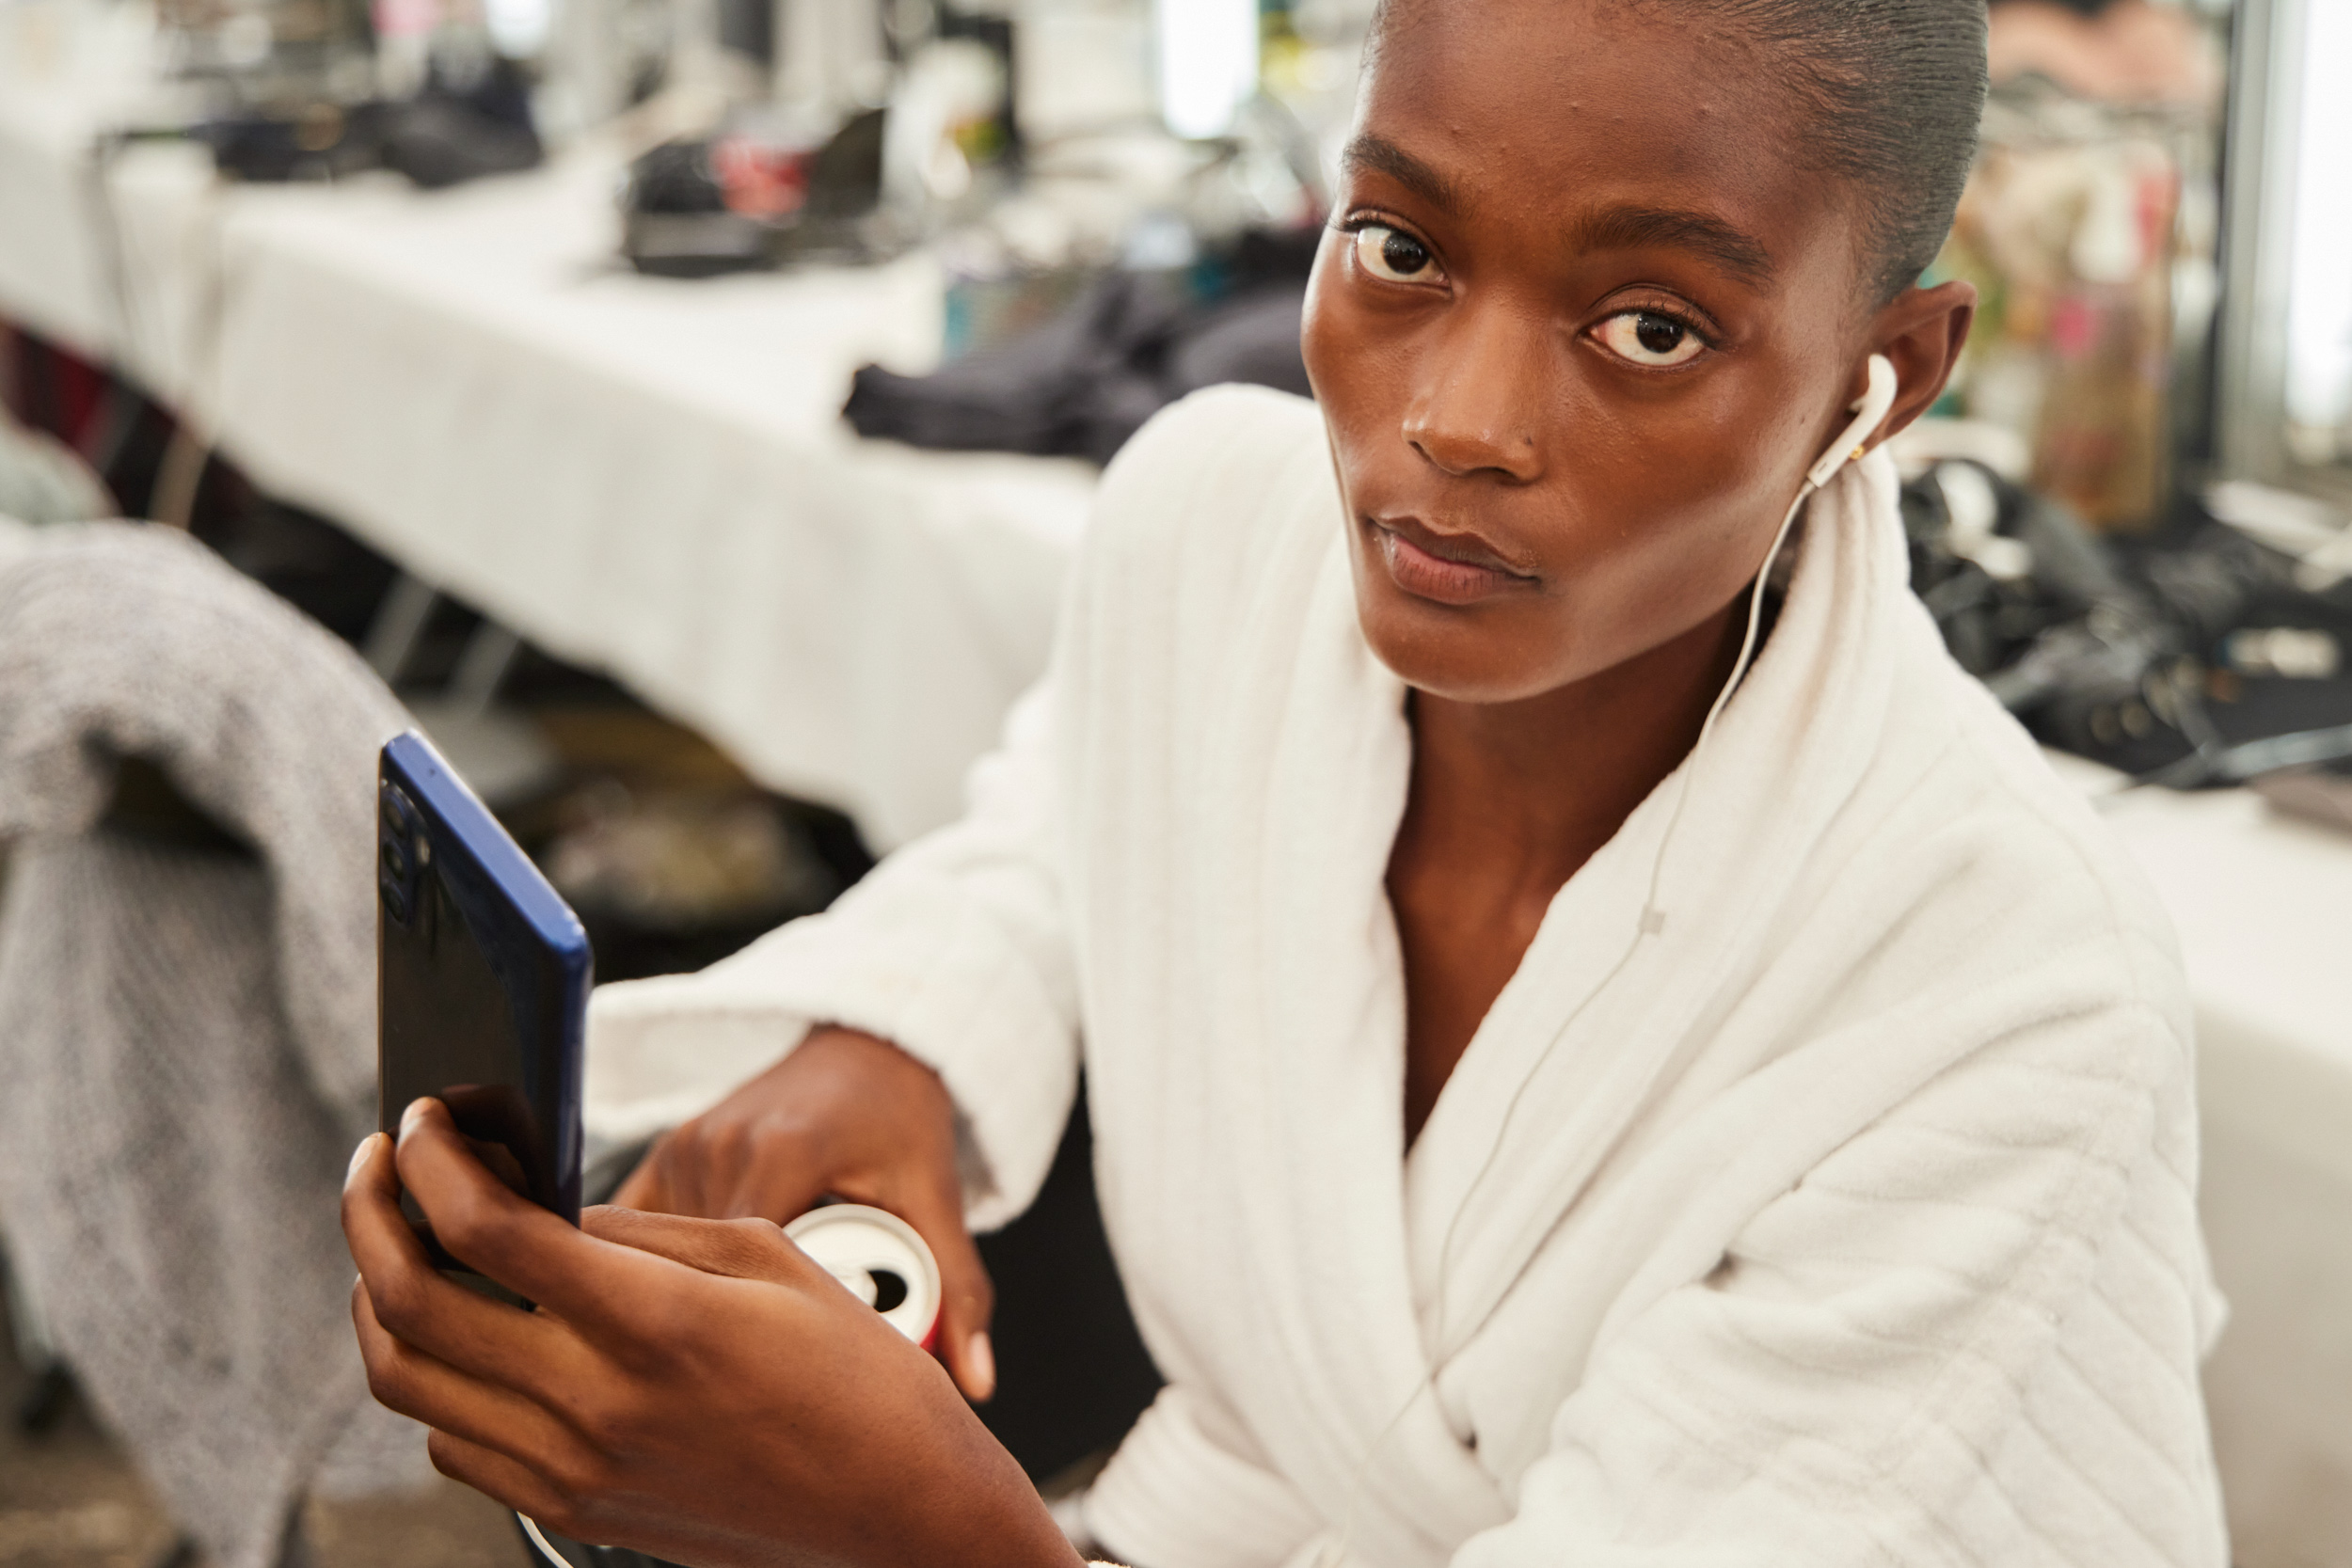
(1580, 328)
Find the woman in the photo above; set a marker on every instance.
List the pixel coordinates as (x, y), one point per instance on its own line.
(1529, 1133)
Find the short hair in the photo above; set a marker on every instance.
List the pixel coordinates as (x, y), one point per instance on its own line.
(1892, 91)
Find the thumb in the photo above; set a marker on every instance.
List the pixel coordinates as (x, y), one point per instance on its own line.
(967, 1299)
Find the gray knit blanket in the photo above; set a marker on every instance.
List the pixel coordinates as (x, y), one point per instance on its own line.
(187, 1032)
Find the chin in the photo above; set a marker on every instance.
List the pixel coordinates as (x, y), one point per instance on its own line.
(1462, 656)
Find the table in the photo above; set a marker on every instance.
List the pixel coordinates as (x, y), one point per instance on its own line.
(2263, 907)
(63, 73)
(644, 476)
(650, 477)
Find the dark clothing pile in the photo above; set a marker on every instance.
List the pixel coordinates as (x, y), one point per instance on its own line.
(1083, 383)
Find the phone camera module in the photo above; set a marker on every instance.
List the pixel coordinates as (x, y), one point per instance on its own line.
(401, 854)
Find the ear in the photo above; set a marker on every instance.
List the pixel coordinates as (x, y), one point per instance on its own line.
(1921, 331)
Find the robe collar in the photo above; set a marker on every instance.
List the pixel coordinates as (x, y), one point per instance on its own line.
(1589, 1030)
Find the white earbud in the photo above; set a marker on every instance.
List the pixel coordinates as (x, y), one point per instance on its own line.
(1877, 398)
(1869, 409)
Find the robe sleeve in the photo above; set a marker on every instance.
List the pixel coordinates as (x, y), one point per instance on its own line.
(1979, 1320)
(955, 948)
(960, 946)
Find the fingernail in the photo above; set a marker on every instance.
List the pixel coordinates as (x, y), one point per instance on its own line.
(359, 1155)
(980, 1361)
(410, 1117)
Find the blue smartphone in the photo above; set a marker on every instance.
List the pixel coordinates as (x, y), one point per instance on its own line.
(482, 974)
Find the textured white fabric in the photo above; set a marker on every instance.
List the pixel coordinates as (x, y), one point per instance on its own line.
(2265, 908)
(53, 271)
(1848, 1219)
(187, 1036)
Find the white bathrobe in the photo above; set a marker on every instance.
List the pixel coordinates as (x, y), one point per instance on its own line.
(1845, 1217)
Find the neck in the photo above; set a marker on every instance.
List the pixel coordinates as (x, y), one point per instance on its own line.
(1544, 781)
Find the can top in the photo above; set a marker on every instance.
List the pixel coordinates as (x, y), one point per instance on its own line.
(878, 1257)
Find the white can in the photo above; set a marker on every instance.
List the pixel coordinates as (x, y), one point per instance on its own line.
(880, 1260)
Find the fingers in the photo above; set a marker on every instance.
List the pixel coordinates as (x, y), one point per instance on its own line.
(779, 1185)
(501, 1477)
(407, 1379)
(581, 1508)
(726, 1166)
(764, 1165)
(421, 1306)
(757, 1249)
(967, 1300)
(603, 1289)
(741, 1249)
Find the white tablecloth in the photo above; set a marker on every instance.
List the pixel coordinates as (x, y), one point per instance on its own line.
(651, 477)
(647, 477)
(2264, 905)
(63, 73)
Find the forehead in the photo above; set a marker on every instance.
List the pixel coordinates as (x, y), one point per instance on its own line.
(1547, 112)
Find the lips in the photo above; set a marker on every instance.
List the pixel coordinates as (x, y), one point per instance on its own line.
(1448, 569)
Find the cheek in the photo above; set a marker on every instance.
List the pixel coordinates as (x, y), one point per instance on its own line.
(1669, 525)
(1352, 364)
(1662, 505)
(1360, 365)
(1317, 339)
(1645, 527)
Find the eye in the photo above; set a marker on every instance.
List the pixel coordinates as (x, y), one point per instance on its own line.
(1646, 338)
(1395, 256)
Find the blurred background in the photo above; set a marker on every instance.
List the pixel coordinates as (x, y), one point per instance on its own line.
(687, 409)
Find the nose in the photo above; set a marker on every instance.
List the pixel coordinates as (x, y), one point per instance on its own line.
(1474, 411)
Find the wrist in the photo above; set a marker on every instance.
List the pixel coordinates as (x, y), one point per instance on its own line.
(1031, 1540)
(1001, 1522)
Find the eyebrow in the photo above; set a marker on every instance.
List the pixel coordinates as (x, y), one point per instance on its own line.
(1383, 156)
(1615, 227)
(1626, 228)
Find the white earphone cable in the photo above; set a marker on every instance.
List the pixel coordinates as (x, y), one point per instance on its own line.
(1652, 921)
(1869, 409)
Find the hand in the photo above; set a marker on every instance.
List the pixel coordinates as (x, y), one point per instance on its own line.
(698, 1389)
(847, 1116)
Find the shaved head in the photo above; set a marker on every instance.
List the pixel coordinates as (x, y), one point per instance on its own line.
(1886, 94)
